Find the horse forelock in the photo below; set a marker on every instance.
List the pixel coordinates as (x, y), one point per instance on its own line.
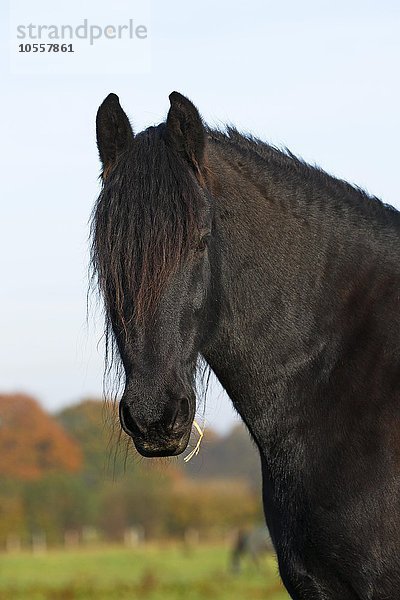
(143, 227)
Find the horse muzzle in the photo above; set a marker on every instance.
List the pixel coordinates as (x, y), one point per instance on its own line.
(156, 432)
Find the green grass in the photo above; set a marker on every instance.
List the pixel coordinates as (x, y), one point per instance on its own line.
(153, 573)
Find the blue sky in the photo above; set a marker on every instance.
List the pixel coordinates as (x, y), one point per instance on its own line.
(318, 77)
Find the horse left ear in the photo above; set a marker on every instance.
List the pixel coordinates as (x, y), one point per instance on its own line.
(185, 130)
(113, 130)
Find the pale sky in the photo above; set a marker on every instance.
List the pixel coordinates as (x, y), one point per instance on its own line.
(321, 78)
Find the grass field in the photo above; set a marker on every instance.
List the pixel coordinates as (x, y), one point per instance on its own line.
(155, 573)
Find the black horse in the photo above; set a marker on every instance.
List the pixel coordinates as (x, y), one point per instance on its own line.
(287, 281)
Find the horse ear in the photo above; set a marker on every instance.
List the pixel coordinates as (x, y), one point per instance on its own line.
(113, 130)
(185, 130)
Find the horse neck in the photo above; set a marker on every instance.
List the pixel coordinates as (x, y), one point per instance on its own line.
(284, 285)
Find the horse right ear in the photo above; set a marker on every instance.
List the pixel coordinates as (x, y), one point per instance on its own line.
(113, 130)
(185, 130)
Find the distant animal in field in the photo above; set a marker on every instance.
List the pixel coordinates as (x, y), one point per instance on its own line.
(251, 544)
(286, 281)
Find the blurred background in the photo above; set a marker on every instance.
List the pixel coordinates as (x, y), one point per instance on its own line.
(80, 514)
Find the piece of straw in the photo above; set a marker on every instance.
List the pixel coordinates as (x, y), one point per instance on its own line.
(196, 449)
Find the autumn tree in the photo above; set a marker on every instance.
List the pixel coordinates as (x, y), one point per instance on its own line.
(32, 444)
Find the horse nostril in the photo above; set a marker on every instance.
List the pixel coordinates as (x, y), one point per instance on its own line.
(128, 423)
(181, 414)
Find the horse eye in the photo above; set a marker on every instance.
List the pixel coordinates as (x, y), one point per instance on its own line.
(203, 242)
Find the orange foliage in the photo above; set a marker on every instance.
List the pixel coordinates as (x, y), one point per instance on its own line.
(31, 443)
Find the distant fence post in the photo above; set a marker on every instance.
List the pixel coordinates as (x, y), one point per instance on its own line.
(39, 542)
(133, 536)
(13, 543)
(90, 535)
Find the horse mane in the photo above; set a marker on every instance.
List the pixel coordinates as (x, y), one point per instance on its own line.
(142, 227)
(266, 159)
